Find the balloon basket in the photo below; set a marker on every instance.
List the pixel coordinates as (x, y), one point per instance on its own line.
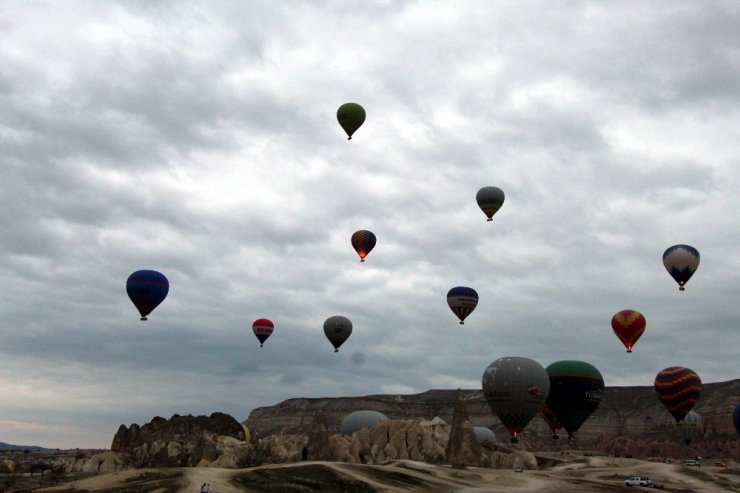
(336, 350)
(681, 288)
(144, 319)
(489, 219)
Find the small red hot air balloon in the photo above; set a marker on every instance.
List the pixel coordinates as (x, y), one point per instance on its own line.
(262, 329)
(629, 326)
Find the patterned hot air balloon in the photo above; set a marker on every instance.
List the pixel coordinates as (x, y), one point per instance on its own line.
(515, 389)
(262, 329)
(462, 301)
(351, 116)
(576, 389)
(551, 420)
(629, 326)
(363, 242)
(678, 389)
(681, 261)
(490, 200)
(689, 428)
(337, 329)
(147, 289)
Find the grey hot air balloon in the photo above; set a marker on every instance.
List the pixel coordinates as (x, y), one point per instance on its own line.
(490, 200)
(359, 420)
(337, 329)
(484, 435)
(515, 388)
(689, 428)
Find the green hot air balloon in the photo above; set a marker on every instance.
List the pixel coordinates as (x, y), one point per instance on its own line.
(515, 389)
(490, 200)
(351, 116)
(576, 389)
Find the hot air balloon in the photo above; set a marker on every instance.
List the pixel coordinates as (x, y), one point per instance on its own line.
(484, 436)
(363, 242)
(337, 330)
(576, 389)
(551, 420)
(689, 428)
(515, 389)
(262, 329)
(360, 419)
(351, 116)
(678, 389)
(681, 261)
(490, 200)
(462, 301)
(736, 418)
(629, 326)
(147, 289)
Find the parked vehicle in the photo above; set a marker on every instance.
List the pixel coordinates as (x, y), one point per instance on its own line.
(638, 481)
(691, 462)
(518, 469)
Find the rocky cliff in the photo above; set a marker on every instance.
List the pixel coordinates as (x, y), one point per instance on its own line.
(629, 420)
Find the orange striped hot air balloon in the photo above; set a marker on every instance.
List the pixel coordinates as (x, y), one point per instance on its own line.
(678, 388)
(629, 326)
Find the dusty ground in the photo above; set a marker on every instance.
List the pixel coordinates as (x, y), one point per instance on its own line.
(584, 474)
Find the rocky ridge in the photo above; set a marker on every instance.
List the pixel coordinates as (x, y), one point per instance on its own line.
(629, 420)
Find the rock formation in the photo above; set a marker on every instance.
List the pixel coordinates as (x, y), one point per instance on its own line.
(625, 412)
(318, 439)
(462, 447)
(179, 441)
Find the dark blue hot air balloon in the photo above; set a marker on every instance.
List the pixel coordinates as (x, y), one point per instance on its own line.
(681, 261)
(462, 301)
(147, 289)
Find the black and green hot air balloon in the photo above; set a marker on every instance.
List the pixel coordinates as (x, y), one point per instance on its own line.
(351, 116)
(576, 389)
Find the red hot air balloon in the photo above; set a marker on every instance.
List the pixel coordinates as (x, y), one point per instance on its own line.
(262, 329)
(629, 326)
(363, 242)
(678, 389)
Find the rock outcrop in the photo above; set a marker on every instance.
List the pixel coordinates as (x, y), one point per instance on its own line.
(179, 441)
(625, 412)
(463, 449)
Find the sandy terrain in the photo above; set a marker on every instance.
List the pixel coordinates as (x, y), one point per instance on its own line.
(585, 474)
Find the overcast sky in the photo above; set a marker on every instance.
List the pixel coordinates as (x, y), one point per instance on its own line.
(200, 139)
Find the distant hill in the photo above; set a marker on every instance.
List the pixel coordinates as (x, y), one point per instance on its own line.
(32, 448)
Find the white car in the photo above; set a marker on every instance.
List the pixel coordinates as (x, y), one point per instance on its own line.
(637, 481)
(518, 469)
(691, 462)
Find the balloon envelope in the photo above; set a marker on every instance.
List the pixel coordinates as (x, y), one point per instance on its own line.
(359, 420)
(147, 289)
(681, 261)
(490, 200)
(576, 390)
(337, 330)
(689, 428)
(351, 116)
(678, 388)
(262, 329)
(484, 436)
(462, 301)
(363, 242)
(515, 389)
(629, 326)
